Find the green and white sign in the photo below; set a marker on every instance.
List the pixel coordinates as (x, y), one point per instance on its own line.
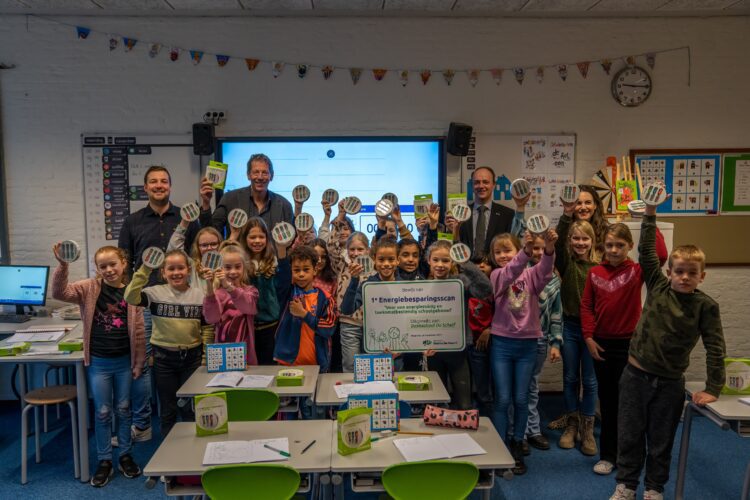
(413, 316)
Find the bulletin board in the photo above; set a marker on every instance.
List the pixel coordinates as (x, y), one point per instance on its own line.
(113, 169)
(735, 189)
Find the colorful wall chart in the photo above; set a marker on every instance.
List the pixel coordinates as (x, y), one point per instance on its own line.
(735, 188)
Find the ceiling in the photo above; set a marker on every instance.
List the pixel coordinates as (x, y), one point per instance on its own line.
(395, 8)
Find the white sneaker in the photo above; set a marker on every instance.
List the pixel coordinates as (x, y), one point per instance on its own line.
(652, 495)
(622, 492)
(140, 435)
(604, 467)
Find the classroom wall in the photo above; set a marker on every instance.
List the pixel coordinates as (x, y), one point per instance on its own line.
(63, 86)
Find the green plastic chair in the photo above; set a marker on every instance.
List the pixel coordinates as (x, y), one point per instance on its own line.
(251, 405)
(256, 481)
(434, 479)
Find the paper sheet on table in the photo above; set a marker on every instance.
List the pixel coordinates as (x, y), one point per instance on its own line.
(225, 379)
(379, 387)
(240, 452)
(37, 336)
(438, 447)
(256, 381)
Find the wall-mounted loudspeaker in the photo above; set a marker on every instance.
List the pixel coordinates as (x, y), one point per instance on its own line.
(203, 139)
(459, 135)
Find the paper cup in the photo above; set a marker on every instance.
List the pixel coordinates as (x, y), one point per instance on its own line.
(460, 253)
(301, 193)
(654, 194)
(461, 213)
(237, 218)
(383, 207)
(538, 223)
(331, 196)
(636, 208)
(283, 233)
(391, 197)
(212, 260)
(520, 188)
(366, 262)
(352, 205)
(69, 251)
(304, 222)
(569, 193)
(190, 211)
(153, 257)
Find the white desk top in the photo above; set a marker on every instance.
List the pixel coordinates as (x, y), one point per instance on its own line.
(75, 333)
(196, 384)
(384, 454)
(727, 407)
(181, 452)
(436, 393)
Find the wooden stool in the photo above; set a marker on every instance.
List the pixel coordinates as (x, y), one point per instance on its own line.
(43, 397)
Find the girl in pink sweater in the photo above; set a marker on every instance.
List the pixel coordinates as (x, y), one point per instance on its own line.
(231, 302)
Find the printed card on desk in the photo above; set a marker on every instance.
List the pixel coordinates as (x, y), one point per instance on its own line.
(372, 367)
(385, 409)
(211, 414)
(225, 357)
(353, 430)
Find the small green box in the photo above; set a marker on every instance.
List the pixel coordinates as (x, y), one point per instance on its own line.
(13, 349)
(290, 377)
(71, 345)
(354, 433)
(211, 414)
(413, 383)
(738, 376)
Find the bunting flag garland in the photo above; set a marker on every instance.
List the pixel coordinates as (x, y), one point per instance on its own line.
(112, 44)
(153, 51)
(630, 61)
(448, 75)
(562, 69)
(497, 75)
(222, 60)
(606, 65)
(403, 77)
(473, 77)
(251, 64)
(520, 73)
(82, 32)
(379, 74)
(651, 60)
(302, 70)
(174, 54)
(425, 74)
(196, 56)
(129, 43)
(583, 67)
(327, 72)
(355, 74)
(540, 74)
(276, 68)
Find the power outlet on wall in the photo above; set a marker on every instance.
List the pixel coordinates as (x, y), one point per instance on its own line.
(214, 116)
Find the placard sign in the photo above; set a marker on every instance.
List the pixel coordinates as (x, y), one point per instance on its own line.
(413, 316)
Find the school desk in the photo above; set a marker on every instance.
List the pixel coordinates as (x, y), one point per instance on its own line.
(75, 359)
(196, 384)
(727, 412)
(366, 466)
(435, 393)
(181, 452)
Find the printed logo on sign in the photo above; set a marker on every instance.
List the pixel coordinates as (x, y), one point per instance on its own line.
(304, 222)
(331, 196)
(190, 212)
(301, 193)
(69, 251)
(212, 260)
(283, 233)
(383, 207)
(352, 205)
(153, 257)
(237, 218)
(391, 197)
(520, 188)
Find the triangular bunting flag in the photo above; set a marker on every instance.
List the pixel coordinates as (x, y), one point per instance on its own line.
(302, 70)
(222, 60)
(276, 68)
(83, 33)
(425, 74)
(379, 74)
(113, 44)
(651, 59)
(129, 43)
(520, 73)
(562, 70)
(251, 64)
(153, 51)
(497, 75)
(606, 65)
(630, 60)
(473, 77)
(540, 74)
(355, 73)
(174, 53)
(448, 75)
(583, 67)
(196, 56)
(403, 77)
(327, 72)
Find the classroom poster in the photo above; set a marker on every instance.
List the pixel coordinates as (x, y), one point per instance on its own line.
(735, 189)
(413, 316)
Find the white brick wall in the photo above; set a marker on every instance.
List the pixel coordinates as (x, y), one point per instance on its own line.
(63, 86)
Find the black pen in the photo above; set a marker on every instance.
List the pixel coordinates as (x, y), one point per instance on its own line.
(308, 446)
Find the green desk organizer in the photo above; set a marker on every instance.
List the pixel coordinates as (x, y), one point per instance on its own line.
(413, 383)
(71, 345)
(290, 377)
(13, 349)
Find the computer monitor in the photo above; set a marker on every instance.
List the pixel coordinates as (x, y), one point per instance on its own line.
(23, 285)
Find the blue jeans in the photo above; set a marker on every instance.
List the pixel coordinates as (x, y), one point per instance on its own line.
(577, 359)
(512, 367)
(109, 382)
(140, 391)
(481, 377)
(532, 427)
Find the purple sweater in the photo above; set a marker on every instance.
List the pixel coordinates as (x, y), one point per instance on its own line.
(233, 314)
(517, 288)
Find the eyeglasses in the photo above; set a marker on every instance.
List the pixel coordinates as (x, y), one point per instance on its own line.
(204, 246)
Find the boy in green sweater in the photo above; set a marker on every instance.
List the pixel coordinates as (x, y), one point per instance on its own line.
(652, 388)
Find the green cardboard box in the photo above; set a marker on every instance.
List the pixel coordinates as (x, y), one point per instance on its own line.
(13, 349)
(290, 377)
(738, 376)
(211, 414)
(70, 345)
(413, 383)
(354, 430)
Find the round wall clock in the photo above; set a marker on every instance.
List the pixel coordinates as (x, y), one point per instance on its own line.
(631, 86)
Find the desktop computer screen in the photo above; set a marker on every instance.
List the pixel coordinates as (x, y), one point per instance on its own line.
(23, 285)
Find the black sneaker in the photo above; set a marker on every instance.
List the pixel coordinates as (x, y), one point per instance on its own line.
(103, 474)
(516, 449)
(128, 467)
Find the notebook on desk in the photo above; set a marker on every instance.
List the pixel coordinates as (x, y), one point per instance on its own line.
(438, 447)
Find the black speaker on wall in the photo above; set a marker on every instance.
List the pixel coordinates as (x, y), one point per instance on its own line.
(203, 139)
(459, 135)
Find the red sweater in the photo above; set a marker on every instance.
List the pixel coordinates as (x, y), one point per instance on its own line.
(611, 301)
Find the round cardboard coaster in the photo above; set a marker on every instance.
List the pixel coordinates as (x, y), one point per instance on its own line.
(460, 253)
(366, 262)
(654, 194)
(383, 207)
(352, 205)
(331, 196)
(190, 211)
(461, 213)
(636, 208)
(237, 218)
(569, 193)
(283, 233)
(304, 222)
(520, 188)
(301, 193)
(69, 251)
(391, 197)
(153, 257)
(212, 260)
(537, 223)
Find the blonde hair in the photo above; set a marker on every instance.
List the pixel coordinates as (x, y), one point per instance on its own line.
(121, 254)
(688, 252)
(267, 258)
(234, 248)
(587, 229)
(195, 251)
(441, 245)
(357, 235)
(501, 239)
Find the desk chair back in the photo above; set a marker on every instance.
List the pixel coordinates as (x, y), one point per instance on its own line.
(251, 405)
(436, 480)
(257, 481)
